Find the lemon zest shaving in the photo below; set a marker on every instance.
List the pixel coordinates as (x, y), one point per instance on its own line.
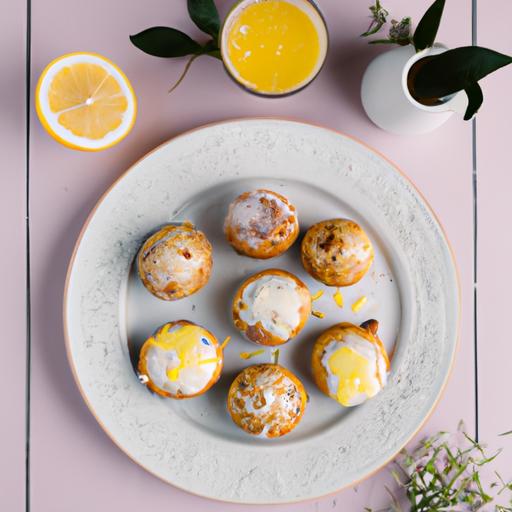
(338, 298)
(318, 314)
(225, 342)
(249, 355)
(317, 295)
(359, 303)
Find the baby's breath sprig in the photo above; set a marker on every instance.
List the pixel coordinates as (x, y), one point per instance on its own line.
(378, 16)
(399, 32)
(444, 474)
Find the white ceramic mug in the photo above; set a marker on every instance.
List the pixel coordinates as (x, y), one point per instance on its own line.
(388, 102)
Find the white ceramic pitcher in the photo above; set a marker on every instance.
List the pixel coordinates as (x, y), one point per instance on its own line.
(388, 102)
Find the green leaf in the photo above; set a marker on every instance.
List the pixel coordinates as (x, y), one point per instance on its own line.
(374, 28)
(165, 42)
(214, 53)
(475, 99)
(455, 70)
(205, 15)
(426, 31)
(211, 48)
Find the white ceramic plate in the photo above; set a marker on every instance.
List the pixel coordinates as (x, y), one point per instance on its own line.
(412, 290)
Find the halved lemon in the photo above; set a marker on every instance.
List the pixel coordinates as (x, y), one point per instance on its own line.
(85, 101)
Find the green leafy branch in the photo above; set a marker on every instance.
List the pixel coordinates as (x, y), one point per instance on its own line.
(170, 42)
(378, 17)
(438, 76)
(399, 33)
(445, 474)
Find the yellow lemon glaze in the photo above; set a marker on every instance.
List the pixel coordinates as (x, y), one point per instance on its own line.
(173, 374)
(184, 341)
(180, 360)
(274, 46)
(354, 375)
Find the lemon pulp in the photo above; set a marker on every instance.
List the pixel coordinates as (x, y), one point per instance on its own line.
(88, 101)
(273, 46)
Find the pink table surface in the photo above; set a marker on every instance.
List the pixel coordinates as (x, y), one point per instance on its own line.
(72, 465)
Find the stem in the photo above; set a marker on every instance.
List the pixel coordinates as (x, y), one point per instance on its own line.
(185, 71)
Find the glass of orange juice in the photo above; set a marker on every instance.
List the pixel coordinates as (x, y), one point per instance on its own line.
(274, 47)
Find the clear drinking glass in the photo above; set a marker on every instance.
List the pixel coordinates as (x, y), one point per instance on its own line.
(310, 8)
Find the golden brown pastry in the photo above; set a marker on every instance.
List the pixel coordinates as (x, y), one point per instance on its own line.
(337, 252)
(181, 360)
(261, 224)
(350, 363)
(175, 262)
(271, 307)
(266, 400)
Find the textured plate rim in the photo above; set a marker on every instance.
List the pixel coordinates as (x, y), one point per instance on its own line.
(292, 120)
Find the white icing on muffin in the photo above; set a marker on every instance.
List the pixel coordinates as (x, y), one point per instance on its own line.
(275, 302)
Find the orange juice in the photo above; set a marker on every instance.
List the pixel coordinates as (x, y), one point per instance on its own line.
(274, 47)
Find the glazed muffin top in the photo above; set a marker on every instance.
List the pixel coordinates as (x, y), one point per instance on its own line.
(350, 363)
(175, 262)
(180, 360)
(271, 307)
(266, 400)
(337, 252)
(261, 224)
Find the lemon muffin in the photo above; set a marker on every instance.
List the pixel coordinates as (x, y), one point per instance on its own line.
(175, 262)
(350, 363)
(336, 252)
(271, 307)
(261, 224)
(266, 400)
(181, 360)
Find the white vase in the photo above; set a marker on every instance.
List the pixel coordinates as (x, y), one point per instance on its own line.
(388, 102)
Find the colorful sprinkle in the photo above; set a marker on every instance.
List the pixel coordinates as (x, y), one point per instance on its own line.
(338, 298)
(359, 303)
(205, 341)
(249, 355)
